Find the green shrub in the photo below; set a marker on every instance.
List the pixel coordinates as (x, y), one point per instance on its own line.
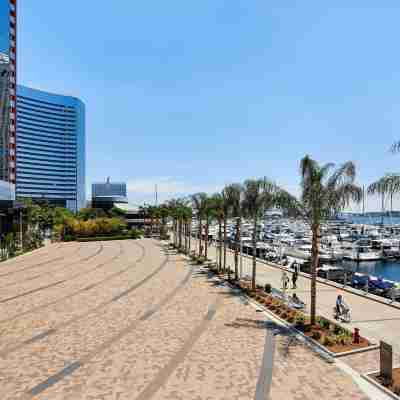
(300, 319)
(316, 335)
(337, 330)
(344, 338)
(329, 341)
(268, 288)
(324, 323)
(69, 238)
(135, 233)
(102, 238)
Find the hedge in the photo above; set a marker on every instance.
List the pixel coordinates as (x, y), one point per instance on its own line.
(103, 238)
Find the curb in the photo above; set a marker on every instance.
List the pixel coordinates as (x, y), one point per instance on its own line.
(311, 340)
(308, 339)
(378, 385)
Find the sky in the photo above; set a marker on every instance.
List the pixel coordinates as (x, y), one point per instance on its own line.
(193, 95)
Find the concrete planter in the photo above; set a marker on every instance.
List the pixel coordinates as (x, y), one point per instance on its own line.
(368, 377)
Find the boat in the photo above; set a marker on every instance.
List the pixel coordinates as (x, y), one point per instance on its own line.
(361, 251)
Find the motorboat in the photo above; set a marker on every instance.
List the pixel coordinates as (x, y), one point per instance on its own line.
(361, 251)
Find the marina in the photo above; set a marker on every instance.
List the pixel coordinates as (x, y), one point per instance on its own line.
(355, 251)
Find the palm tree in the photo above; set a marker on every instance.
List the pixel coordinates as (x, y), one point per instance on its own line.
(253, 205)
(258, 196)
(234, 193)
(324, 193)
(389, 184)
(199, 201)
(218, 206)
(210, 214)
(226, 207)
(231, 196)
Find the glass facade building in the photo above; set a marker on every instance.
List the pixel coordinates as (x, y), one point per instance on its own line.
(104, 195)
(50, 151)
(8, 40)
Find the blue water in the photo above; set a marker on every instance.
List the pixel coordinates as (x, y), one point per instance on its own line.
(385, 269)
(373, 220)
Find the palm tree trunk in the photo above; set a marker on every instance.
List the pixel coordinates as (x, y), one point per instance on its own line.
(175, 233)
(314, 265)
(237, 246)
(190, 236)
(180, 233)
(184, 236)
(224, 243)
(253, 278)
(200, 234)
(206, 240)
(220, 243)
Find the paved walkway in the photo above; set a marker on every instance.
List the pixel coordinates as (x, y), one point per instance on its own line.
(375, 320)
(133, 320)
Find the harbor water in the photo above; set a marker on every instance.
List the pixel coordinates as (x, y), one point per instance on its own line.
(388, 269)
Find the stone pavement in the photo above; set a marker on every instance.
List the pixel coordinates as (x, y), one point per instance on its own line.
(133, 320)
(376, 320)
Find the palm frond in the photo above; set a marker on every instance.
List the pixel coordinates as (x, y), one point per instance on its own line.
(395, 147)
(344, 174)
(390, 183)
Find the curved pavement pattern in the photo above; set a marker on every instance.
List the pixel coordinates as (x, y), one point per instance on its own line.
(134, 320)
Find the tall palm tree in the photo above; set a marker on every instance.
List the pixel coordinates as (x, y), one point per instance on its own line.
(231, 195)
(253, 205)
(234, 192)
(388, 184)
(258, 196)
(226, 207)
(324, 193)
(210, 214)
(199, 201)
(219, 214)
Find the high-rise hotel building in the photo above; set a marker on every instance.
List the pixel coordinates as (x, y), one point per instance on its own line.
(42, 135)
(8, 80)
(50, 148)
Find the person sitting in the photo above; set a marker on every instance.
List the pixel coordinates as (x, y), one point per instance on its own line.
(296, 302)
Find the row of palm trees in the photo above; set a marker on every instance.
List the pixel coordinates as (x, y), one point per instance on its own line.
(325, 191)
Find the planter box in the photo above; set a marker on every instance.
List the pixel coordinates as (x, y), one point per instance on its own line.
(369, 376)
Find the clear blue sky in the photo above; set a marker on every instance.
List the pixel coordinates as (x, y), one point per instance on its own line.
(196, 94)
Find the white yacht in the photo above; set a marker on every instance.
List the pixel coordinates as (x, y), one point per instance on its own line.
(361, 251)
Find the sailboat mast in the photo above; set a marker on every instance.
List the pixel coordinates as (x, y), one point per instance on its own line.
(363, 199)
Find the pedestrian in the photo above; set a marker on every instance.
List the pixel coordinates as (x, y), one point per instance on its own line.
(285, 280)
(294, 278)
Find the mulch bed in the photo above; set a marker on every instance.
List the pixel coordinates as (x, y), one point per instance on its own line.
(329, 334)
(395, 386)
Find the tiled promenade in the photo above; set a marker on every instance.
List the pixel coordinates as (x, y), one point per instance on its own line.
(375, 320)
(133, 320)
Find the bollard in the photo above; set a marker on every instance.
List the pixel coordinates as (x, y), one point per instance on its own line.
(356, 335)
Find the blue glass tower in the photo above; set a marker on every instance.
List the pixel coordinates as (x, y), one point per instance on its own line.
(50, 148)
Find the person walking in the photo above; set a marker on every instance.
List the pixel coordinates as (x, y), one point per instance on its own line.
(285, 280)
(295, 275)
